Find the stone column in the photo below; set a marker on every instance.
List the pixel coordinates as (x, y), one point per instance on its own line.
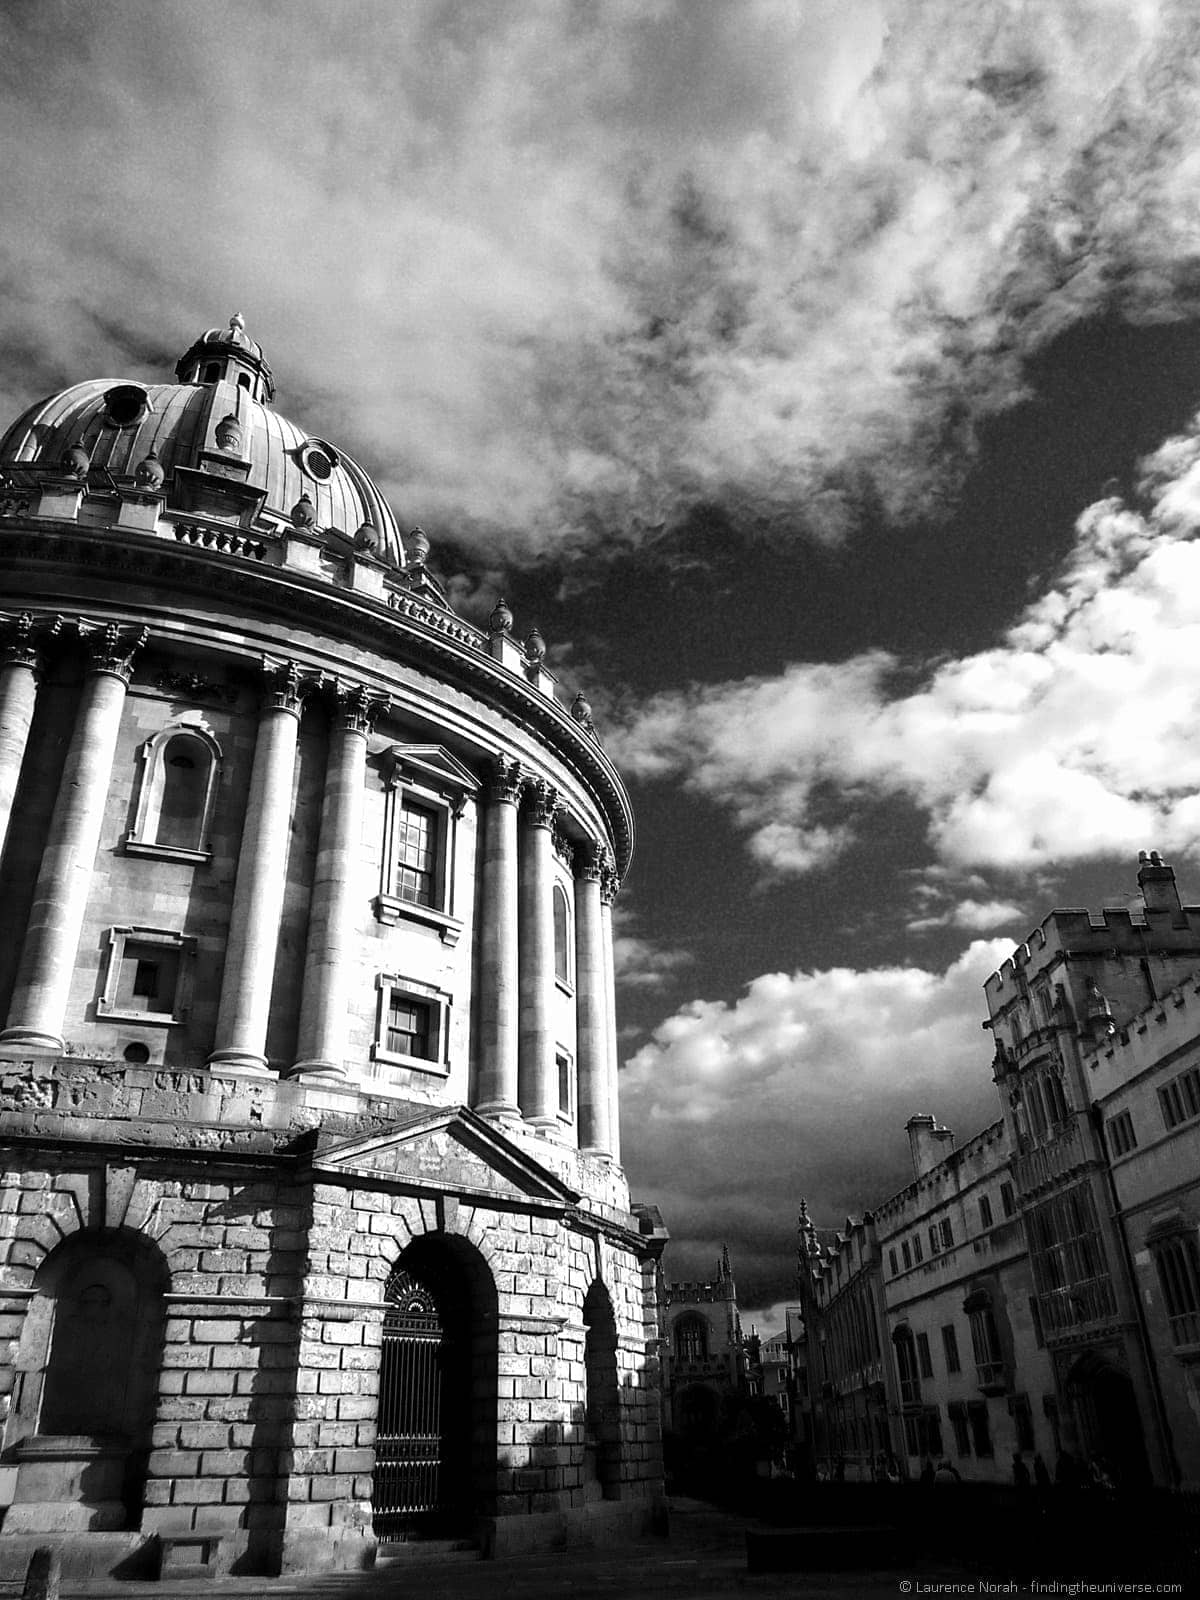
(259, 888)
(496, 1090)
(538, 1075)
(18, 696)
(609, 885)
(329, 968)
(591, 1004)
(42, 988)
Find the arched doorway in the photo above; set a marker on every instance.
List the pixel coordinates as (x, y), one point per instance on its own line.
(435, 1447)
(602, 1412)
(87, 1385)
(1108, 1419)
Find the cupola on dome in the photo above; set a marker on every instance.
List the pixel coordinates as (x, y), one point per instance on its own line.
(224, 452)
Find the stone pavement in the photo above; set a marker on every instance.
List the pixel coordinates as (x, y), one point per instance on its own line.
(704, 1558)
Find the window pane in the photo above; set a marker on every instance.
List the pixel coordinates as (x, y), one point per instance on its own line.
(562, 965)
(408, 1027)
(416, 854)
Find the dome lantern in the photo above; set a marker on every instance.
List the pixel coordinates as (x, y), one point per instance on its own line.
(228, 355)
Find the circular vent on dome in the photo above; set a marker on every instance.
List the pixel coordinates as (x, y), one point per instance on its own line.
(125, 405)
(318, 459)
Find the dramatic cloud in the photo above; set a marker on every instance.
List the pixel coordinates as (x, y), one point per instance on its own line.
(739, 1110)
(560, 272)
(1074, 738)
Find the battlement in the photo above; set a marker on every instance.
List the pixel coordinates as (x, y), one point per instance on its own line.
(1151, 1034)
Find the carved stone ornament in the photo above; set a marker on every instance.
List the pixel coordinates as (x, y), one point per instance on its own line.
(564, 848)
(356, 707)
(504, 780)
(535, 648)
(149, 474)
(228, 433)
(17, 646)
(581, 711)
(501, 619)
(111, 646)
(76, 462)
(542, 803)
(286, 686)
(304, 513)
(610, 885)
(592, 861)
(191, 686)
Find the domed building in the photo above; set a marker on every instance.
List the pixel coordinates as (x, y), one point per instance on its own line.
(314, 1230)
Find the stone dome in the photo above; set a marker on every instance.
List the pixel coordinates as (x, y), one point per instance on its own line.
(217, 421)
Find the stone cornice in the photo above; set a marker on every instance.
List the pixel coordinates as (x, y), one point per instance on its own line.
(445, 644)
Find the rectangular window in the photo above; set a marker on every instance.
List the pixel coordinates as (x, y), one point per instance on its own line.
(906, 1253)
(981, 1432)
(924, 1358)
(1180, 1099)
(1022, 1421)
(1069, 1267)
(892, 1263)
(962, 1431)
(411, 1026)
(1178, 1264)
(1120, 1135)
(145, 980)
(985, 1341)
(935, 1244)
(985, 1212)
(947, 1233)
(917, 1252)
(1006, 1199)
(566, 1084)
(1035, 1316)
(416, 853)
(950, 1349)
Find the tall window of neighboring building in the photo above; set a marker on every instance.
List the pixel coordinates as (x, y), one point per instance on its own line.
(935, 1244)
(691, 1339)
(985, 1212)
(906, 1252)
(417, 853)
(924, 1357)
(981, 1433)
(1177, 1262)
(1180, 1099)
(562, 935)
(1035, 1317)
(1068, 1260)
(985, 1340)
(962, 1431)
(947, 1233)
(906, 1366)
(1007, 1204)
(892, 1263)
(1120, 1135)
(950, 1348)
(918, 1255)
(1022, 1415)
(1056, 1101)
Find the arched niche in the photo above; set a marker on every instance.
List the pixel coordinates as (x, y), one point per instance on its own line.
(602, 1435)
(181, 767)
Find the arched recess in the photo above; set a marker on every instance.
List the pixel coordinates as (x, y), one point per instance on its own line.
(435, 1451)
(181, 767)
(602, 1425)
(1108, 1419)
(87, 1383)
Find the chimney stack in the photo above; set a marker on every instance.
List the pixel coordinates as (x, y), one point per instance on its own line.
(1157, 882)
(929, 1143)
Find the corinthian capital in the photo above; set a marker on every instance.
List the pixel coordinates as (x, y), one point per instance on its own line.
(356, 707)
(592, 861)
(17, 641)
(610, 884)
(504, 780)
(541, 803)
(286, 685)
(111, 646)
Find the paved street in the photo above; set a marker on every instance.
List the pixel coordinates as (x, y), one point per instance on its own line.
(705, 1556)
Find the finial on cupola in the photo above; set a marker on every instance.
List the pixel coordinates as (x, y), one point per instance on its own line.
(237, 323)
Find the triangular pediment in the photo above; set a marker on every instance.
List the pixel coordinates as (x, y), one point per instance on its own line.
(453, 1151)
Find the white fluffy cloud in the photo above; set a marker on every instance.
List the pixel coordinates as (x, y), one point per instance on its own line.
(1074, 738)
(558, 272)
(733, 1112)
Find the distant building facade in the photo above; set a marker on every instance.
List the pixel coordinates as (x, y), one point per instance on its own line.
(1037, 1290)
(706, 1361)
(313, 1229)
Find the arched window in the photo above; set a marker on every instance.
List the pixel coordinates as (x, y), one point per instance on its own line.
(562, 935)
(180, 767)
(691, 1339)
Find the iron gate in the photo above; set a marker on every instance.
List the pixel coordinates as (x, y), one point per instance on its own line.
(408, 1487)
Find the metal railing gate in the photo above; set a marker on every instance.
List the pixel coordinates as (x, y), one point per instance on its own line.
(408, 1487)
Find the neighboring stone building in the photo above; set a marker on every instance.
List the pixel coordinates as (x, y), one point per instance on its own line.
(1041, 1284)
(705, 1360)
(314, 1226)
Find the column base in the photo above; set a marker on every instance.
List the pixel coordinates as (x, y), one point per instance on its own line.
(331, 1072)
(498, 1111)
(598, 1152)
(247, 1060)
(32, 1039)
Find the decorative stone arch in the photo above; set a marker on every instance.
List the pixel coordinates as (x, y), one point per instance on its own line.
(602, 1396)
(435, 1467)
(181, 770)
(87, 1379)
(1107, 1417)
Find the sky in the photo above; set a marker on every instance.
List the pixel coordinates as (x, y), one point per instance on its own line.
(819, 376)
